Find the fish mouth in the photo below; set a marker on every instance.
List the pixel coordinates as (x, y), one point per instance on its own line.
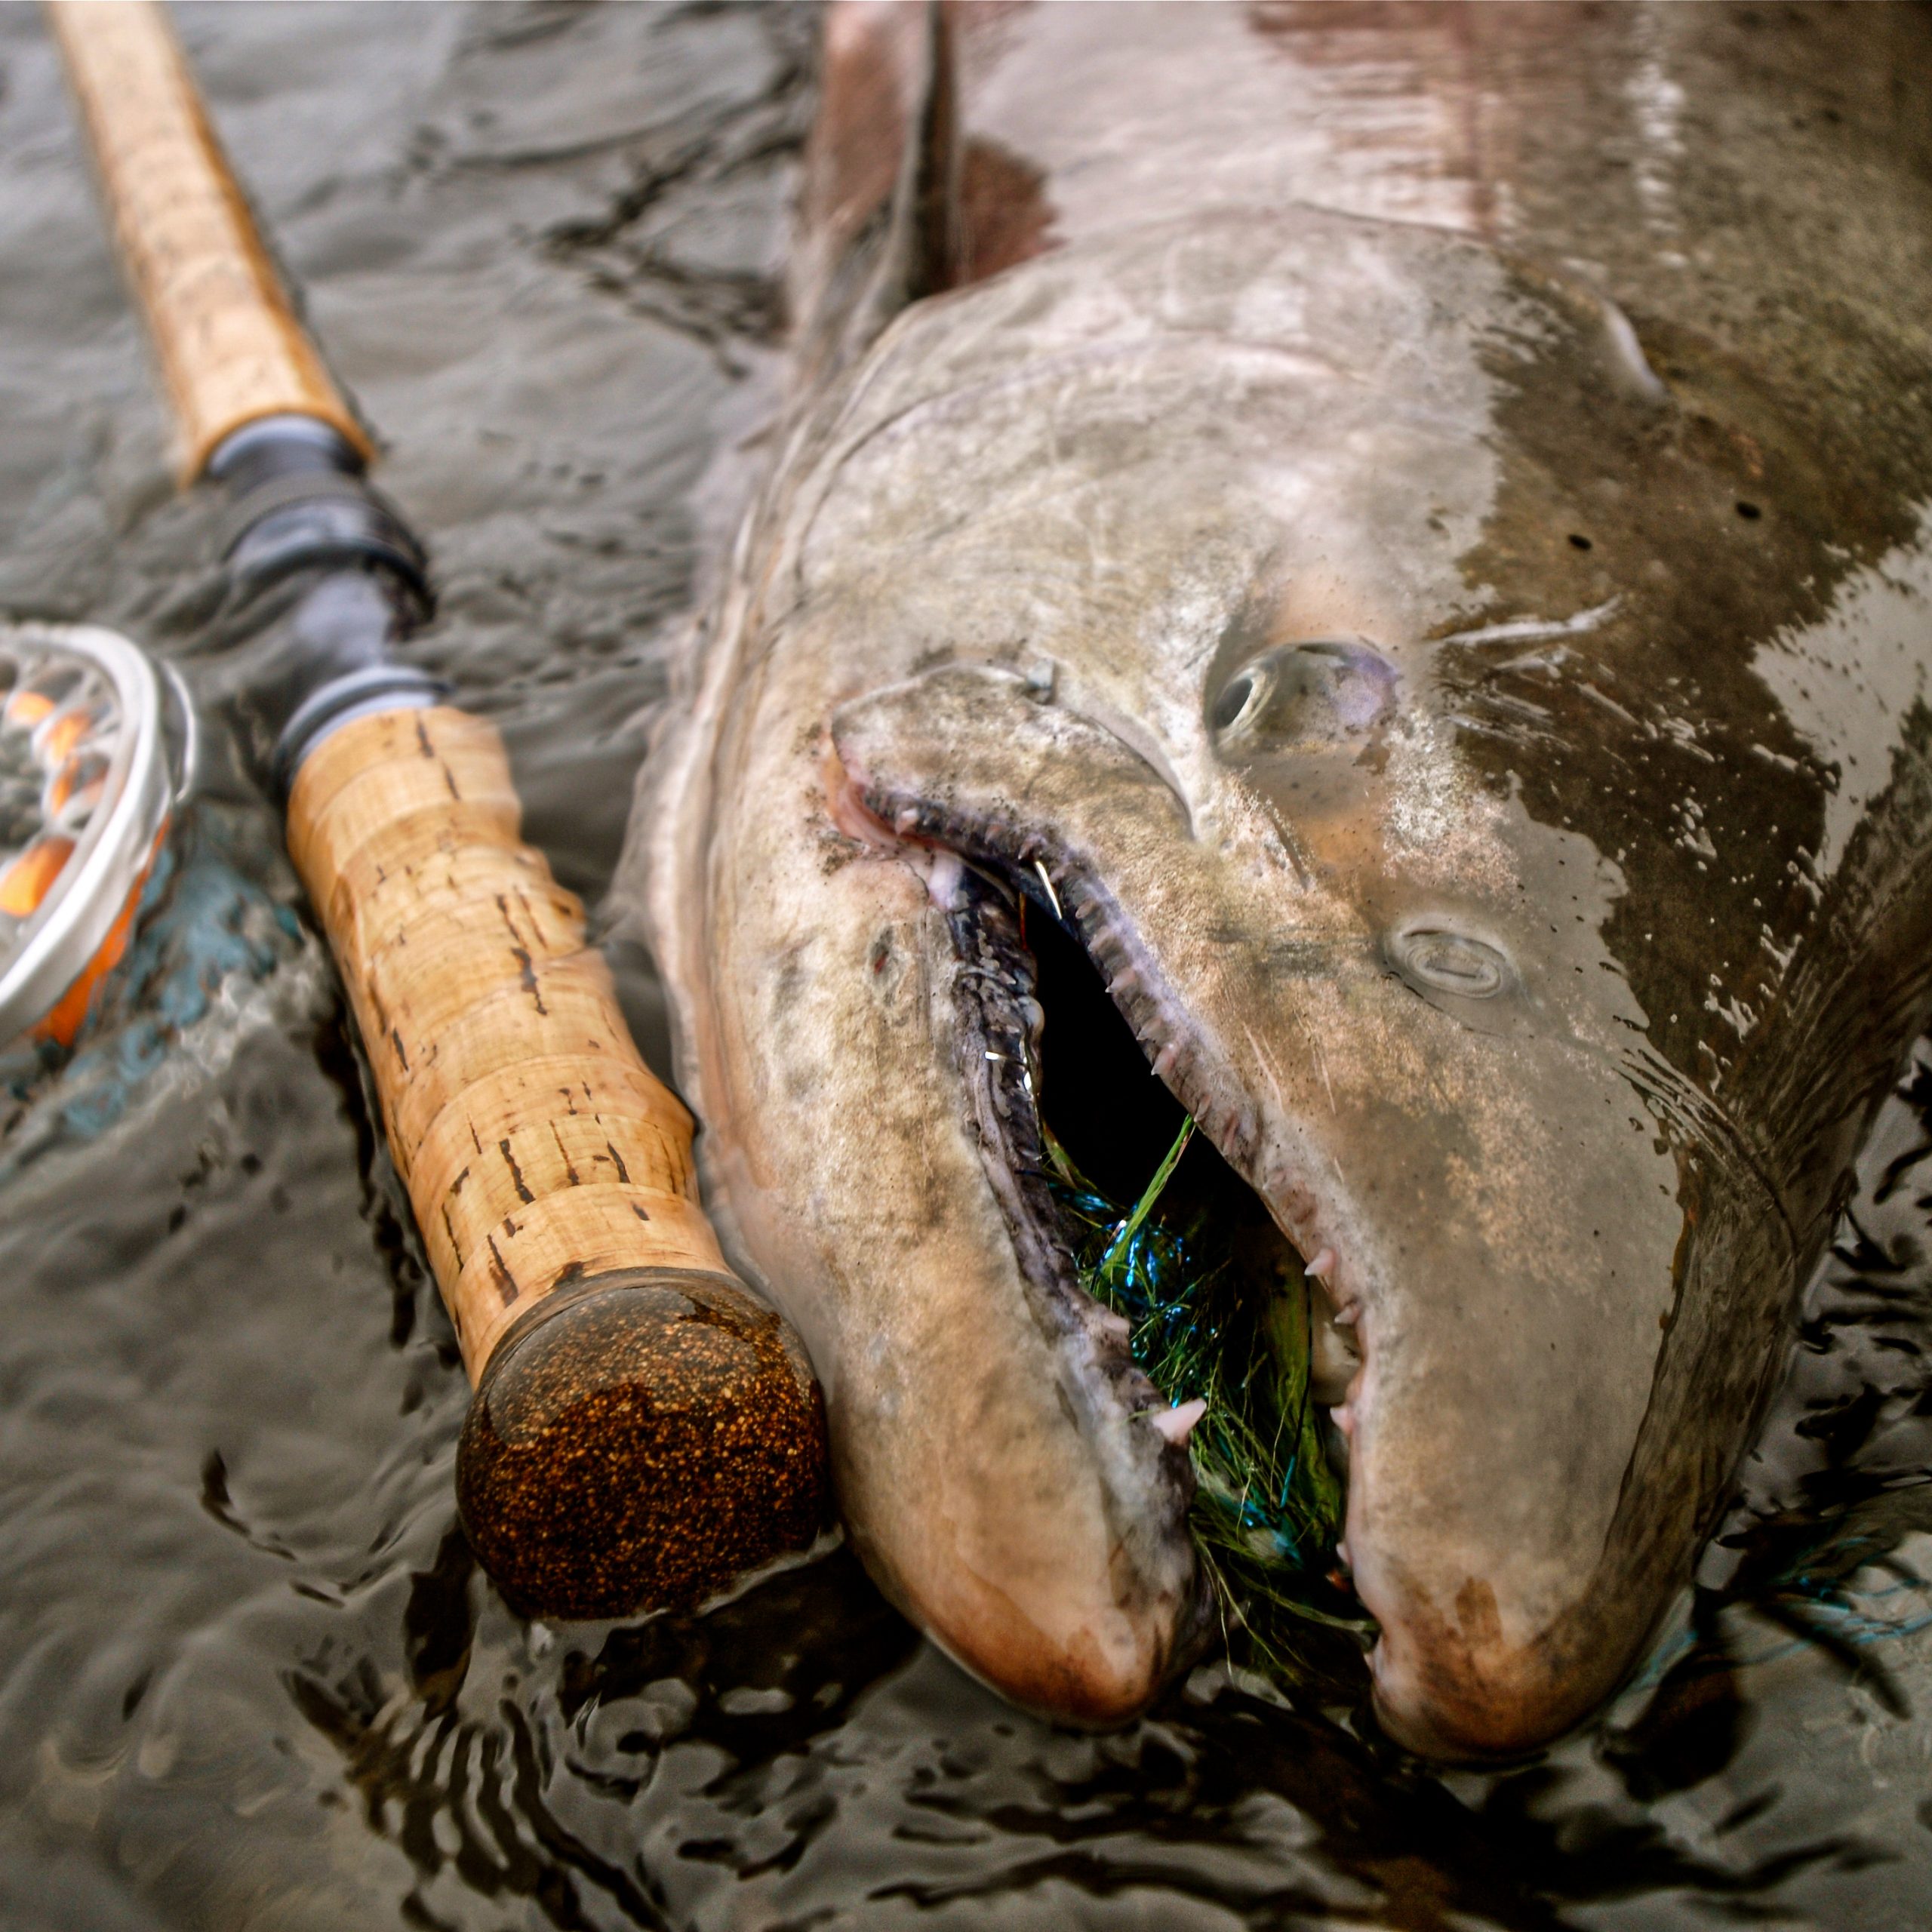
(1085, 1072)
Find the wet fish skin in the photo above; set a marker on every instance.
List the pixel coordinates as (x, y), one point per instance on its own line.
(1229, 567)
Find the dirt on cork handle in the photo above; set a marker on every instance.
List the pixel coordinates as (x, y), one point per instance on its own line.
(644, 1430)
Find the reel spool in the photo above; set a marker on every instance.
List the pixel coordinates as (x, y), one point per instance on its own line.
(88, 783)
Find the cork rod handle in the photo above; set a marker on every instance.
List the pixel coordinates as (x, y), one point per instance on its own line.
(644, 1430)
(535, 1143)
(230, 348)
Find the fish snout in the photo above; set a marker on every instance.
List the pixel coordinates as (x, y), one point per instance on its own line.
(1028, 1575)
(1098, 1672)
(1454, 1687)
(1507, 1606)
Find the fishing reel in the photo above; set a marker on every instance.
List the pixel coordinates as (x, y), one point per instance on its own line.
(98, 751)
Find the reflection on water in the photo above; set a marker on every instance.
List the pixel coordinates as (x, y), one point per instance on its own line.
(248, 1675)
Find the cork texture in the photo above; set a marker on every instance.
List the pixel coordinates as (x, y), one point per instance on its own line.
(641, 1440)
(230, 348)
(536, 1145)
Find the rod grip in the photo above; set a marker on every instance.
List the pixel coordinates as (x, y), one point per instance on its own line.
(230, 347)
(536, 1145)
(645, 1431)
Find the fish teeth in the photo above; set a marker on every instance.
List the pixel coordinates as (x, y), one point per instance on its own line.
(1176, 1425)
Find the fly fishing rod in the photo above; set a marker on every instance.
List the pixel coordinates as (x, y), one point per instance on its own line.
(644, 1430)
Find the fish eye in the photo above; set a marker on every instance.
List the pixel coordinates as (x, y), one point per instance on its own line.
(1237, 695)
(1437, 958)
(1311, 692)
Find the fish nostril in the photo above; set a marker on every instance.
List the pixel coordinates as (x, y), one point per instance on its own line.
(1437, 958)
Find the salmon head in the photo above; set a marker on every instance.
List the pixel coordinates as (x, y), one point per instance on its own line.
(1333, 656)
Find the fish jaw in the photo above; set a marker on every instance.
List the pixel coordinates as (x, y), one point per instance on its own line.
(1056, 1566)
(1480, 1657)
(1492, 1205)
(994, 1452)
(992, 1441)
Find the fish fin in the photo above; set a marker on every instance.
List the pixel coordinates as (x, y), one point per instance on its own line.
(880, 207)
(922, 253)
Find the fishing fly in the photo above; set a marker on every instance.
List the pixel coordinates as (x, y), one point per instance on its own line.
(1268, 1506)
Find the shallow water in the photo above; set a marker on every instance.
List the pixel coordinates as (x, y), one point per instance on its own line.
(248, 1676)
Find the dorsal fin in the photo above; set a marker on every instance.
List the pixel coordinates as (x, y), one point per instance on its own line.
(880, 206)
(922, 253)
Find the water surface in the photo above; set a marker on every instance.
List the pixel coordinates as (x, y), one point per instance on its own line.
(248, 1674)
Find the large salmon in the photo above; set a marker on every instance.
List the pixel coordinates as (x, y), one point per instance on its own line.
(1404, 531)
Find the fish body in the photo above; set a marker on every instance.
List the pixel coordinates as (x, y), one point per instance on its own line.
(1449, 637)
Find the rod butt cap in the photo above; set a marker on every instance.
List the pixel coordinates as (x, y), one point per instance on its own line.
(639, 1442)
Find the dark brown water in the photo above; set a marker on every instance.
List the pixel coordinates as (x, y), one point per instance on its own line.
(248, 1676)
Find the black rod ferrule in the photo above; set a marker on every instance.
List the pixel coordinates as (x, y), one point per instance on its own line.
(298, 500)
(353, 582)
